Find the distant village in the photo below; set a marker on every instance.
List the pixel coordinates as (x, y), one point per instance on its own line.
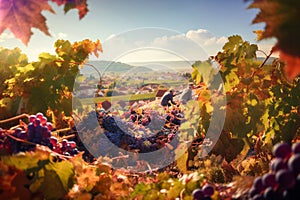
(117, 84)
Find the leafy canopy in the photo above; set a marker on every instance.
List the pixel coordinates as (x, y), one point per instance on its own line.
(52, 78)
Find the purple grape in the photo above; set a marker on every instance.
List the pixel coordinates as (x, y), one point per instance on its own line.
(66, 154)
(294, 163)
(296, 148)
(282, 150)
(258, 184)
(285, 179)
(44, 121)
(31, 131)
(18, 131)
(32, 118)
(290, 194)
(49, 125)
(39, 115)
(75, 151)
(64, 142)
(72, 144)
(198, 194)
(23, 135)
(208, 190)
(298, 182)
(53, 140)
(37, 122)
(252, 192)
(269, 180)
(277, 164)
(258, 197)
(269, 193)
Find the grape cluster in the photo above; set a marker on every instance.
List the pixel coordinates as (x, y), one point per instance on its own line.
(38, 131)
(131, 136)
(120, 131)
(204, 193)
(283, 179)
(65, 147)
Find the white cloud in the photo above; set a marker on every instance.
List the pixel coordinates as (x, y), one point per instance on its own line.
(145, 45)
(222, 40)
(59, 35)
(62, 35)
(207, 40)
(4, 36)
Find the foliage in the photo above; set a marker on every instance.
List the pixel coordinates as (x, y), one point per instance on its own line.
(261, 103)
(11, 61)
(42, 174)
(281, 19)
(253, 166)
(46, 84)
(167, 187)
(253, 91)
(21, 16)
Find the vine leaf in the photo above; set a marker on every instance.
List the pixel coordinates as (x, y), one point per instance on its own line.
(20, 16)
(182, 158)
(292, 67)
(64, 171)
(80, 5)
(282, 22)
(28, 160)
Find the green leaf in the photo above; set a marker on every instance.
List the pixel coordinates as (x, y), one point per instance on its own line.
(140, 188)
(182, 158)
(63, 47)
(202, 71)
(52, 187)
(47, 57)
(26, 68)
(38, 181)
(65, 172)
(233, 42)
(25, 161)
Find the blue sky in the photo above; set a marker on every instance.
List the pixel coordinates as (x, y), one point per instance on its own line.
(207, 22)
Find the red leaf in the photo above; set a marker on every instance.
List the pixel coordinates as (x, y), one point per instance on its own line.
(60, 2)
(19, 16)
(80, 5)
(292, 68)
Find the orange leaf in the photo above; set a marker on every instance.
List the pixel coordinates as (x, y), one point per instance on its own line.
(20, 16)
(292, 68)
(80, 5)
(98, 47)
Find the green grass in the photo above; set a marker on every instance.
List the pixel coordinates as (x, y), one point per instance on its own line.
(132, 97)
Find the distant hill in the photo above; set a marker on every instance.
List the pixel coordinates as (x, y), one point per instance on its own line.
(138, 67)
(111, 66)
(269, 61)
(166, 65)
